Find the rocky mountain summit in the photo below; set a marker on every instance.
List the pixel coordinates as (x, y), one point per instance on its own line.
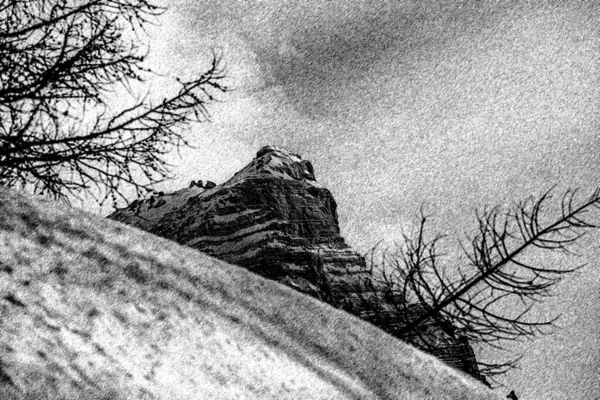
(94, 309)
(274, 219)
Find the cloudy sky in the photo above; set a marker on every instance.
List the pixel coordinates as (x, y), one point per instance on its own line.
(452, 105)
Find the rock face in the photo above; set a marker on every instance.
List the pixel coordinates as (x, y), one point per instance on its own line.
(94, 309)
(274, 219)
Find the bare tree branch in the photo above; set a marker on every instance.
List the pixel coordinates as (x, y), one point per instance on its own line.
(475, 299)
(61, 64)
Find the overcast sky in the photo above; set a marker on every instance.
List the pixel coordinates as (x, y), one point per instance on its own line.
(451, 105)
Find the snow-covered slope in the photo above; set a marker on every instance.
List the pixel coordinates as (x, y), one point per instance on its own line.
(94, 309)
(274, 219)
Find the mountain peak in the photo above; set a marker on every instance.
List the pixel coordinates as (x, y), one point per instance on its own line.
(274, 219)
(272, 161)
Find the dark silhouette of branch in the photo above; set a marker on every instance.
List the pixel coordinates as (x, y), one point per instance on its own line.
(487, 296)
(491, 252)
(63, 66)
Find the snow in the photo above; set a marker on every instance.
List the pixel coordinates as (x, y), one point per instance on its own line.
(242, 232)
(280, 163)
(147, 211)
(223, 219)
(231, 246)
(134, 316)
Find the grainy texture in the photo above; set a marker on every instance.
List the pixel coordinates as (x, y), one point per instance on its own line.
(93, 309)
(273, 218)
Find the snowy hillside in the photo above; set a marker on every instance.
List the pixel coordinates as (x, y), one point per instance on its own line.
(94, 309)
(274, 219)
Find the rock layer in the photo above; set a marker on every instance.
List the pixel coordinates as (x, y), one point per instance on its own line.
(274, 219)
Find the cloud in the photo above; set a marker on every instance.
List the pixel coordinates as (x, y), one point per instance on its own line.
(454, 101)
(454, 105)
